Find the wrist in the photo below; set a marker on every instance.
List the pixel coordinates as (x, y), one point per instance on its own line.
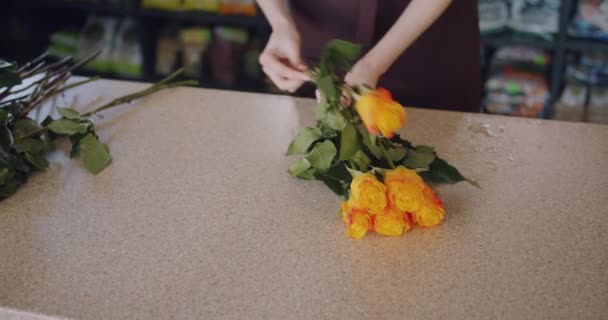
(282, 23)
(369, 65)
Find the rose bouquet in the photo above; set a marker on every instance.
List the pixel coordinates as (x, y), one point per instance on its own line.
(356, 151)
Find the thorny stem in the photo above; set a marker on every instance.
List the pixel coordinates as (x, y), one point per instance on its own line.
(74, 85)
(161, 85)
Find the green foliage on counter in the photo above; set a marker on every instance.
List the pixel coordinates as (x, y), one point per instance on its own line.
(25, 142)
(340, 143)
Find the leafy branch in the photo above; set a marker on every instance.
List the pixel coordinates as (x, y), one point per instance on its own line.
(24, 142)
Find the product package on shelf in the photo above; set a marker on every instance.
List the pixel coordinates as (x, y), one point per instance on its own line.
(168, 48)
(64, 43)
(535, 17)
(205, 5)
(597, 111)
(127, 59)
(591, 19)
(585, 98)
(493, 16)
(161, 4)
(251, 66)
(242, 7)
(121, 3)
(571, 104)
(525, 18)
(517, 84)
(227, 52)
(98, 34)
(195, 42)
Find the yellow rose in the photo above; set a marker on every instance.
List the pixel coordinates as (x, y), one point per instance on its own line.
(380, 113)
(404, 189)
(391, 223)
(357, 221)
(431, 212)
(366, 192)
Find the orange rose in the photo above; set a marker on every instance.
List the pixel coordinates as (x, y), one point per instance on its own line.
(366, 192)
(404, 189)
(431, 212)
(390, 222)
(357, 221)
(380, 113)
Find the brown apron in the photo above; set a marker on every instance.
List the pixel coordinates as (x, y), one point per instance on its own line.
(440, 70)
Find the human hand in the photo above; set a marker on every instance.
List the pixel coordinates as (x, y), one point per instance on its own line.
(363, 72)
(281, 59)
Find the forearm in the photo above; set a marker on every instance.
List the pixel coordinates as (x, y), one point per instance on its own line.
(276, 12)
(415, 19)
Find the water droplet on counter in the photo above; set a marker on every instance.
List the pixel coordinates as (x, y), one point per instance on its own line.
(515, 141)
(501, 129)
(130, 102)
(510, 157)
(482, 128)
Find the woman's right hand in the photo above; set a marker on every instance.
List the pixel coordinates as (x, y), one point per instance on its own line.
(281, 59)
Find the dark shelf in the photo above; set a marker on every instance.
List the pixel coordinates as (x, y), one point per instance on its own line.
(499, 41)
(586, 44)
(202, 17)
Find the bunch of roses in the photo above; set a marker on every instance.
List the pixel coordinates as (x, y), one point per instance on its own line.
(390, 208)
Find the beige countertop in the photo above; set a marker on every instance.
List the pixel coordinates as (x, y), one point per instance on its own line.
(197, 218)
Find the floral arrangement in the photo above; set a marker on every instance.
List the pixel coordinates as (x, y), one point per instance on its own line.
(26, 141)
(356, 151)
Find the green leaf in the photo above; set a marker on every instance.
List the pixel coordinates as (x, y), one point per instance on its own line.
(75, 139)
(95, 155)
(353, 172)
(350, 142)
(370, 142)
(69, 113)
(47, 143)
(25, 127)
(335, 120)
(10, 186)
(36, 160)
(441, 171)
(361, 160)
(299, 166)
(321, 156)
(397, 139)
(396, 154)
(338, 55)
(338, 187)
(29, 145)
(381, 171)
(6, 137)
(308, 174)
(68, 126)
(328, 88)
(320, 111)
(305, 138)
(339, 171)
(5, 175)
(421, 157)
(8, 74)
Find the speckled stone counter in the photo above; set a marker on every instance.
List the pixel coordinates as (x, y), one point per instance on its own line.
(197, 218)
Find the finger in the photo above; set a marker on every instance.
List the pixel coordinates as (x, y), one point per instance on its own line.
(292, 53)
(346, 100)
(284, 84)
(275, 65)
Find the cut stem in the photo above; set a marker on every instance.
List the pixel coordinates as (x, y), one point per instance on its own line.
(156, 87)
